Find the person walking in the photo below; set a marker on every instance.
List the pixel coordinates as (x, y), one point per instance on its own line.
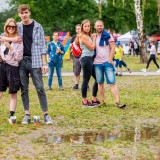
(105, 49)
(131, 46)
(10, 56)
(153, 55)
(87, 44)
(135, 48)
(55, 51)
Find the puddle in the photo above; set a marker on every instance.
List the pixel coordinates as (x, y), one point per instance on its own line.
(125, 134)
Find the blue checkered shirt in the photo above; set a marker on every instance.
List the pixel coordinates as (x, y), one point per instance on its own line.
(38, 43)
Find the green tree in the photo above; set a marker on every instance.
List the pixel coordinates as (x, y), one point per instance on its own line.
(4, 16)
(119, 18)
(150, 17)
(61, 15)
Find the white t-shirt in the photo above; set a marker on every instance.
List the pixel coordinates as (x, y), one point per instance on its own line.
(102, 52)
(153, 47)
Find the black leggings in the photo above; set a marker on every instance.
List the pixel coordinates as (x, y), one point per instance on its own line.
(88, 71)
(152, 57)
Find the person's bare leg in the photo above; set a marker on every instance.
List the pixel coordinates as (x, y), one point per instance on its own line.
(114, 91)
(84, 100)
(1, 93)
(13, 102)
(77, 78)
(101, 90)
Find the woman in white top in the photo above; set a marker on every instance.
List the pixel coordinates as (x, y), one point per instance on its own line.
(152, 56)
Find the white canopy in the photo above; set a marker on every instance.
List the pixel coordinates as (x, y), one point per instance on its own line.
(129, 35)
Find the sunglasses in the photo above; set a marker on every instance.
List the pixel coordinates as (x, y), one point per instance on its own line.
(13, 27)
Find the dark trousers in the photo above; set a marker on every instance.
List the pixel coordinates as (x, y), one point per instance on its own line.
(88, 71)
(136, 52)
(123, 63)
(25, 68)
(152, 57)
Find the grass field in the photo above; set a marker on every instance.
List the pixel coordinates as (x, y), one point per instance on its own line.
(132, 62)
(83, 133)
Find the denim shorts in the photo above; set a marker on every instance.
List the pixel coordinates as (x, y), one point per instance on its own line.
(118, 63)
(108, 70)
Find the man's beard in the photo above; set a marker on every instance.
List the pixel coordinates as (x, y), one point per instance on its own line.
(99, 31)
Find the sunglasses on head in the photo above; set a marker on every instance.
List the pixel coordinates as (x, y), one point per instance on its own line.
(13, 27)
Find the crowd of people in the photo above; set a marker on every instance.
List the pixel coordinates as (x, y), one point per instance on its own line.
(23, 55)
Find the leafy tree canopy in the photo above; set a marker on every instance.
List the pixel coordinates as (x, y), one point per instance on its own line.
(63, 15)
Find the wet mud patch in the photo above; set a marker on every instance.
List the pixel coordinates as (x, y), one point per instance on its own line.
(139, 141)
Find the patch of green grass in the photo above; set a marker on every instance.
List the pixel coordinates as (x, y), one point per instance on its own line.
(132, 62)
(140, 94)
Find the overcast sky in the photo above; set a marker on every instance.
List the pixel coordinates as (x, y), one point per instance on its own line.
(3, 5)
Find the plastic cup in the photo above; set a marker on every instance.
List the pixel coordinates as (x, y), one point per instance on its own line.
(13, 120)
(36, 120)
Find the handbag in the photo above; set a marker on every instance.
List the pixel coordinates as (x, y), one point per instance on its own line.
(76, 50)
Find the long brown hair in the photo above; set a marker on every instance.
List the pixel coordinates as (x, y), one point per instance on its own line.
(82, 31)
(7, 23)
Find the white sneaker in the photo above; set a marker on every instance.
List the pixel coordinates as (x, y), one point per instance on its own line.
(10, 120)
(143, 70)
(158, 71)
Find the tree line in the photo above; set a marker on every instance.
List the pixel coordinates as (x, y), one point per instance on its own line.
(63, 15)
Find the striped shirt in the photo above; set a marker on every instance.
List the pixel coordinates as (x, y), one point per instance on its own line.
(38, 43)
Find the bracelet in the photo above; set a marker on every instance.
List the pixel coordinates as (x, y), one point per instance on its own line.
(44, 64)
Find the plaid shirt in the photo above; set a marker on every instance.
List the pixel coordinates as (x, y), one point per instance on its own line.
(38, 44)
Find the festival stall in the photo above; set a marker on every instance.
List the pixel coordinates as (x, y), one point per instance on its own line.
(124, 40)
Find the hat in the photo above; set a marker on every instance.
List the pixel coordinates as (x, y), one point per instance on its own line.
(117, 44)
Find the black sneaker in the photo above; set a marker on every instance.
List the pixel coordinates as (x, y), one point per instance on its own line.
(116, 74)
(95, 103)
(75, 87)
(47, 119)
(129, 70)
(89, 105)
(119, 105)
(26, 120)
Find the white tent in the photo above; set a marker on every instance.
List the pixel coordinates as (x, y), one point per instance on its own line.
(124, 39)
(129, 35)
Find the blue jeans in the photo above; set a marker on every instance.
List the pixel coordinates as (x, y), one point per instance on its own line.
(108, 70)
(25, 68)
(58, 66)
(118, 63)
(124, 64)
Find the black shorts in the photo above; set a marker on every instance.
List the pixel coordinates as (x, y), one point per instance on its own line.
(9, 77)
(76, 66)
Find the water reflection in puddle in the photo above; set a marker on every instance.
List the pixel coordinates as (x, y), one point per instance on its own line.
(124, 134)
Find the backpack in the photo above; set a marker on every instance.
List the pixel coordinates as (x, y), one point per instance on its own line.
(76, 50)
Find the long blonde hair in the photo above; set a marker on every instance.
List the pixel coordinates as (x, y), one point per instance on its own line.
(82, 31)
(7, 23)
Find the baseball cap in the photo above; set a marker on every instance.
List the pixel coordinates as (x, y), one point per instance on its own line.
(117, 44)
